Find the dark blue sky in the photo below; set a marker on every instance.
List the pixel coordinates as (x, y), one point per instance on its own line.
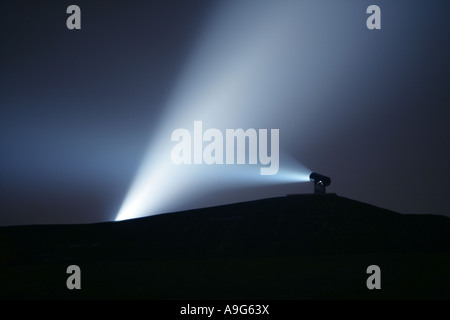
(78, 108)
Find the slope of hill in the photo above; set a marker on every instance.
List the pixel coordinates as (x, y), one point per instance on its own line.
(294, 247)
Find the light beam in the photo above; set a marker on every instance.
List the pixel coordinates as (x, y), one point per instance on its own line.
(231, 81)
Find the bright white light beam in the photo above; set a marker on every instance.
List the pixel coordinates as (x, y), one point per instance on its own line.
(242, 71)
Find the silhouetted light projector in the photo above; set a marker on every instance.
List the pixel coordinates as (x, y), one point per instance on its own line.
(320, 183)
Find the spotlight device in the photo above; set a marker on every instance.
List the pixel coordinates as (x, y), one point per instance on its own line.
(320, 182)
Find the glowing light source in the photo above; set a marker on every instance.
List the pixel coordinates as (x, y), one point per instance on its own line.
(320, 183)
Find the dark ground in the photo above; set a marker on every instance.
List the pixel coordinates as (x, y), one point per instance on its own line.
(295, 247)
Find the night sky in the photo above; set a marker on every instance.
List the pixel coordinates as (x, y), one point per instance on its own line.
(80, 109)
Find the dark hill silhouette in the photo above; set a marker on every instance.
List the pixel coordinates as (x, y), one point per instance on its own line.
(299, 246)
